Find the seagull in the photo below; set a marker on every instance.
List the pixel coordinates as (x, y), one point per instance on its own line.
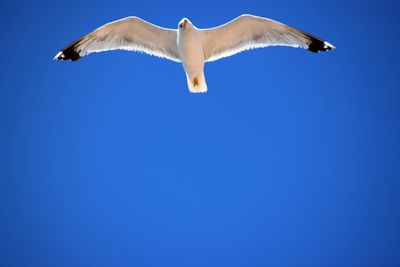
(189, 45)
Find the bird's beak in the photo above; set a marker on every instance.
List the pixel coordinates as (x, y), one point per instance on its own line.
(182, 25)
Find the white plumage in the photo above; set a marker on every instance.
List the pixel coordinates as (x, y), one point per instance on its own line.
(190, 45)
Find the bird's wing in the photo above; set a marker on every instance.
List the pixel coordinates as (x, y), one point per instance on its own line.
(249, 32)
(131, 33)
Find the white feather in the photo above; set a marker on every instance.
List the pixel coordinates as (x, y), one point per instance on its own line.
(133, 34)
(249, 32)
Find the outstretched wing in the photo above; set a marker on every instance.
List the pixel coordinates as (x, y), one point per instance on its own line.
(249, 32)
(131, 33)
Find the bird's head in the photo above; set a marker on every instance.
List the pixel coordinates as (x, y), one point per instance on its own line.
(184, 24)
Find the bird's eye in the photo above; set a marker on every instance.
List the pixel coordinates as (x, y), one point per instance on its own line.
(180, 25)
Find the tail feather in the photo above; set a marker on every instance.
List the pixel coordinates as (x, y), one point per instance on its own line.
(196, 83)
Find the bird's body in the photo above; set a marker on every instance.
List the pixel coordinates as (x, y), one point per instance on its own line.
(189, 45)
(190, 49)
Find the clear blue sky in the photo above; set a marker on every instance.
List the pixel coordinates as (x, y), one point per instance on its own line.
(290, 159)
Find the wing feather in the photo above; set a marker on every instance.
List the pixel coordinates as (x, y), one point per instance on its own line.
(131, 33)
(250, 32)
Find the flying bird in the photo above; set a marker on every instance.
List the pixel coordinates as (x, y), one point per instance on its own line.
(191, 46)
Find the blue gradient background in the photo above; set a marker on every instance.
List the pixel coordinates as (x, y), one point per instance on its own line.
(290, 159)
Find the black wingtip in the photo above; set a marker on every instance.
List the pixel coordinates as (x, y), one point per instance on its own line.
(69, 52)
(316, 45)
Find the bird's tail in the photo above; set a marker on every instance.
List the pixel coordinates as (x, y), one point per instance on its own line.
(196, 83)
